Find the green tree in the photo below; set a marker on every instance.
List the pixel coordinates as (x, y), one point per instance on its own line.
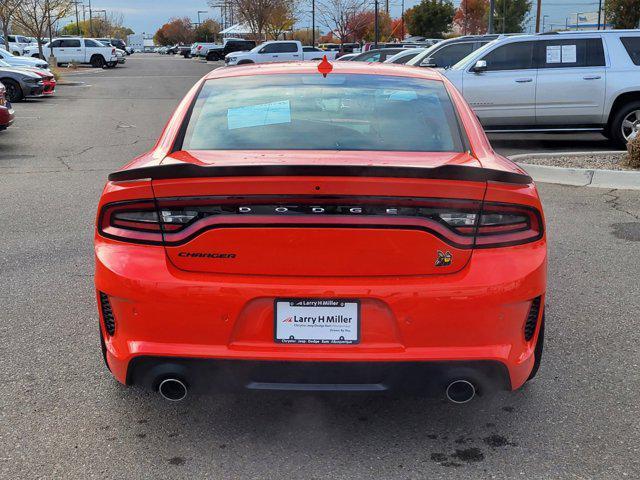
(430, 18)
(509, 15)
(623, 13)
(207, 31)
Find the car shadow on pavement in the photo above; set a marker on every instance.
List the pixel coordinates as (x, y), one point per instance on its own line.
(320, 426)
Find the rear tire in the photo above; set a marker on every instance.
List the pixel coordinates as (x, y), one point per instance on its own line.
(537, 353)
(618, 125)
(97, 61)
(14, 92)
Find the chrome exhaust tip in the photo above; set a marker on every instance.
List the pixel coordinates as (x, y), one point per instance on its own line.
(460, 391)
(172, 389)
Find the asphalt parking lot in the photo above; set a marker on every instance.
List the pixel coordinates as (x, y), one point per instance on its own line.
(63, 416)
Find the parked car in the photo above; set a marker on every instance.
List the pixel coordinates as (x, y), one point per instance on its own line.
(340, 47)
(48, 79)
(371, 46)
(404, 56)
(78, 50)
(347, 57)
(17, 44)
(20, 83)
(202, 48)
(351, 182)
(562, 82)
(121, 53)
(449, 52)
(22, 61)
(185, 51)
(7, 114)
(277, 51)
(229, 45)
(377, 56)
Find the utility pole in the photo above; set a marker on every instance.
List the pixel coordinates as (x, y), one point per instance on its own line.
(599, 13)
(402, 20)
(313, 23)
(504, 16)
(375, 20)
(386, 6)
(538, 10)
(76, 2)
(492, 6)
(90, 21)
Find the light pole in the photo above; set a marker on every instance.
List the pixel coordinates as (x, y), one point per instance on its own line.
(206, 36)
(599, 13)
(375, 20)
(199, 12)
(313, 23)
(105, 18)
(492, 6)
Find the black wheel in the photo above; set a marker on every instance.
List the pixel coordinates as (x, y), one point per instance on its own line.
(537, 353)
(14, 92)
(97, 62)
(212, 57)
(625, 124)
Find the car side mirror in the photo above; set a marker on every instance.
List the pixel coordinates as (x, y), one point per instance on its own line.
(480, 66)
(428, 62)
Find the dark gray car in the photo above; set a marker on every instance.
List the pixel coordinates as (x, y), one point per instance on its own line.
(20, 84)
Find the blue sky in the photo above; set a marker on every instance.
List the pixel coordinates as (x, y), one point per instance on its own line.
(148, 15)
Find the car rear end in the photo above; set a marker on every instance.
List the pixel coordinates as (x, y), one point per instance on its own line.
(7, 114)
(405, 266)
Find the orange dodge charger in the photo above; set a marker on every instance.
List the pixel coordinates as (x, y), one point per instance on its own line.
(322, 228)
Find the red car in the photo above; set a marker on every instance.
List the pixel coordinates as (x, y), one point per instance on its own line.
(6, 111)
(49, 82)
(322, 228)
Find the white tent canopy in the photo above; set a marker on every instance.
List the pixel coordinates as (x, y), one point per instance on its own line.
(238, 29)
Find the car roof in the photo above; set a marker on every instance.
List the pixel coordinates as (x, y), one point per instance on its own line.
(360, 68)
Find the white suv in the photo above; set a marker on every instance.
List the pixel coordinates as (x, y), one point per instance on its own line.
(569, 81)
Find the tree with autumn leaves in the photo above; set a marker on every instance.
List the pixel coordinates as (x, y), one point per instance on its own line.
(623, 13)
(471, 17)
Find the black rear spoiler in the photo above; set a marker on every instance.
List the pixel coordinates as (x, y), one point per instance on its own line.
(444, 172)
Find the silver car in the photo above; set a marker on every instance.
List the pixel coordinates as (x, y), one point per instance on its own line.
(569, 81)
(20, 83)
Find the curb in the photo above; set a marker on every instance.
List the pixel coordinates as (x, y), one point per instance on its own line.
(579, 177)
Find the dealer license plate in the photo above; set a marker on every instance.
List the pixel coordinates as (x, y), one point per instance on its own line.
(317, 321)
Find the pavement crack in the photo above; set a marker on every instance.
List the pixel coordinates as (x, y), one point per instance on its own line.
(614, 202)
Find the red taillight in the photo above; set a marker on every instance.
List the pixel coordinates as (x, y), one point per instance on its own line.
(131, 221)
(113, 51)
(461, 223)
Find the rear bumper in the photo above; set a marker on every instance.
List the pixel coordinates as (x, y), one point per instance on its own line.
(213, 375)
(7, 116)
(476, 314)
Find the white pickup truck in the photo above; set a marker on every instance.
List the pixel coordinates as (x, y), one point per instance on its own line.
(278, 51)
(77, 50)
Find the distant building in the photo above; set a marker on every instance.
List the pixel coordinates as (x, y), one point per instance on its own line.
(586, 21)
(141, 42)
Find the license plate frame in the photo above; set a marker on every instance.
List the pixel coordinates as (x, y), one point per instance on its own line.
(317, 307)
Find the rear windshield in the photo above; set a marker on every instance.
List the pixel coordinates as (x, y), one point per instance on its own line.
(309, 112)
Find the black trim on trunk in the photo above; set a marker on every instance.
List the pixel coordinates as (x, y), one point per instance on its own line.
(444, 172)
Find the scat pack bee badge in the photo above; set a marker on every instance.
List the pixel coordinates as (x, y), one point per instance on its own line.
(444, 259)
